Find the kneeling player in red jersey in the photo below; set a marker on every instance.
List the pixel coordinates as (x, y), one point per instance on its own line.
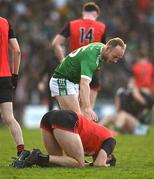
(69, 132)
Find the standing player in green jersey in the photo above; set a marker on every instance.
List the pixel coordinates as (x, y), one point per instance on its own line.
(77, 70)
(80, 32)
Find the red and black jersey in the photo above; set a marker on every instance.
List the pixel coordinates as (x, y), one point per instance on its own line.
(83, 31)
(6, 33)
(143, 73)
(92, 134)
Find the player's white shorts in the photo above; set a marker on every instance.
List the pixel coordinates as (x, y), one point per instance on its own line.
(63, 87)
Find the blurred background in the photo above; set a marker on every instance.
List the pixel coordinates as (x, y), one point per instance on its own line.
(36, 22)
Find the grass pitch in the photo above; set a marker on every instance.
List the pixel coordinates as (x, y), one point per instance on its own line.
(135, 159)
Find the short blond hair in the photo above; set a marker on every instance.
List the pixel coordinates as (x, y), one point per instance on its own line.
(116, 42)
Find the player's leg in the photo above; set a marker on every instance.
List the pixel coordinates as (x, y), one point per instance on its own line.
(57, 140)
(120, 120)
(66, 94)
(64, 140)
(69, 103)
(7, 112)
(131, 123)
(13, 125)
(51, 144)
(126, 121)
(72, 146)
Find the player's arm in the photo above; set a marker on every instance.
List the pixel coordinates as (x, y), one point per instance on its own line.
(85, 99)
(88, 67)
(101, 159)
(16, 53)
(135, 90)
(59, 41)
(104, 157)
(57, 45)
(85, 93)
(16, 56)
(136, 93)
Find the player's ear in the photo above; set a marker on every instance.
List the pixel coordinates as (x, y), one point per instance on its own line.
(107, 47)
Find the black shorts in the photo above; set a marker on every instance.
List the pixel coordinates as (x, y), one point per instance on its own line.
(66, 120)
(5, 89)
(96, 83)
